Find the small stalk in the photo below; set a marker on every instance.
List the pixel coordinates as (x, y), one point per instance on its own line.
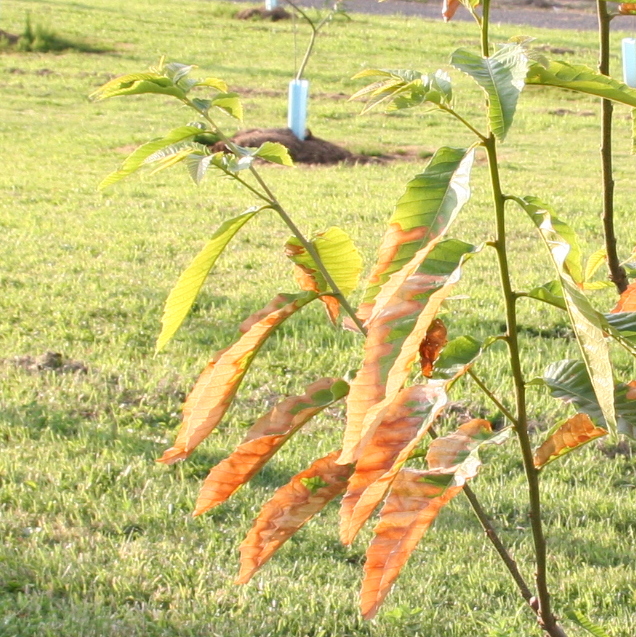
(545, 616)
(617, 273)
(505, 411)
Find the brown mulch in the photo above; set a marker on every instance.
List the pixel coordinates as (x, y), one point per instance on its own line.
(50, 361)
(259, 13)
(9, 37)
(311, 150)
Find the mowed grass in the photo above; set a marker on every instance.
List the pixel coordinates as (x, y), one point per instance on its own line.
(98, 538)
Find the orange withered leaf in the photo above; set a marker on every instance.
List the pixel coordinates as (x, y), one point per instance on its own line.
(414, 502)
(432, 345)
(422, 215)
(571, 435)
(631, 390)
(217, 385)
(279, 301)
(292, 506)
(393, 340)
(449, 8)
(264, 439)
(406, 420)
(627, 300)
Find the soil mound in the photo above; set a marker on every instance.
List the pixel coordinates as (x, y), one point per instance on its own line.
(311, 150)
(260, 13)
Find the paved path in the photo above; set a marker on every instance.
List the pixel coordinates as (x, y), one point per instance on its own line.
(547, 18)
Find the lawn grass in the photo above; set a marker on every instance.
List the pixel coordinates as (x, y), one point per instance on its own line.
(98, 538)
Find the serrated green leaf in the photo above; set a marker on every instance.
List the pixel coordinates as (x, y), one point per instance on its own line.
(274, 152)
(568, 380)
(551, 293)
(589, 326)
(136, 84)
(584, 622)
(501, 76)
(187, 288)
(137, 158)
(169, 160)
(582, 79)
(198, 165)
(422, 216)
(457, 355)
(229, 103)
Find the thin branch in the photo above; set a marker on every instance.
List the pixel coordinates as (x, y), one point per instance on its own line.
(547, 619)
(504, 410)
(617, 273)
(459, 118)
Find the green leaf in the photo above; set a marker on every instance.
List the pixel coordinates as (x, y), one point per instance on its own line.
(137, 158)
(551, 293)
(589, 326)
(568, 380)
(403, 88)
(198, 165)
(213, 82)
(136, 84)
(582, 79)
(184, 293)
(229, 103)
(584, 622)
(338, 254)
(456, 357)
(422, 216)
(595, 261)
(274, 152)
(501, 76)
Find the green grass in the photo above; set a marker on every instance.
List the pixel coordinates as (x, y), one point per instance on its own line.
(98, 538)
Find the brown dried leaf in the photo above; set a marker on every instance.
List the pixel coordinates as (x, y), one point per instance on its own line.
(264, 439)
(432, 345)
(407, 420)
(393, 340)
(449, 8)
(291, 507)
(572, 434)
(217, 385)
(414, 502)
(627, 300)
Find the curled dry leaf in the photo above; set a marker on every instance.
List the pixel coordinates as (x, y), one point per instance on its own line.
(393, 341)
(631, 390)
(432, 345)
(406, 420)
(627, 300)
(571, 435)
(264, 439)
(449, 8)
(414, 502)
(292, 506)
(217, 385)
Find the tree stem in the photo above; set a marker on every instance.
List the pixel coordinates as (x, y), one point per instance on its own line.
(616, 272)
(506, 412)
(545, 616)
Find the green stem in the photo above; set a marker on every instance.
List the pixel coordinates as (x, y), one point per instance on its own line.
(494, 538)
(466, 123)
(546, 618)
(273, 202)
(506, 412)
(617, 273)
(485, 22)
